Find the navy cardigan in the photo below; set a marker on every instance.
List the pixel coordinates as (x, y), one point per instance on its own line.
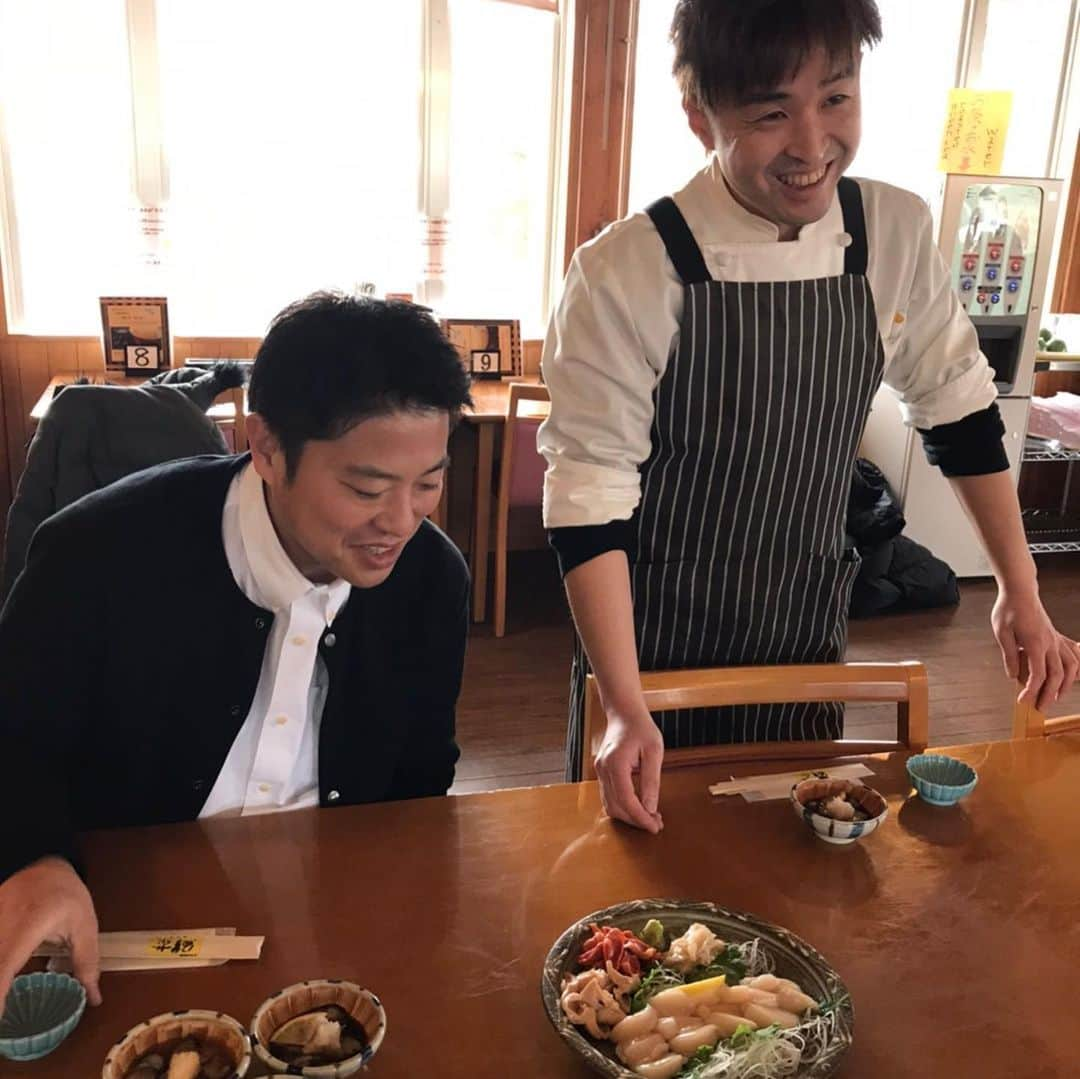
(129, 659)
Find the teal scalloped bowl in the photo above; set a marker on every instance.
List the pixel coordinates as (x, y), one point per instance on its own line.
(941, 780)
(42, 1010)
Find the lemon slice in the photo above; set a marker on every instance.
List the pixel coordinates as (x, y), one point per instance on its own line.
(693, 989)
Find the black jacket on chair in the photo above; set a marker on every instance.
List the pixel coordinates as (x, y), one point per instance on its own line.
(94, 435)
(129, 658)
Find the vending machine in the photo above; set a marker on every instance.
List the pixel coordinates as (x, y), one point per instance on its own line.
(995, 234)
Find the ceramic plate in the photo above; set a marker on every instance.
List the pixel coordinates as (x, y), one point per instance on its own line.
(792, 958)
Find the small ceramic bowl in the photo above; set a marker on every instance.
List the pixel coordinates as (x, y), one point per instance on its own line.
(41, 1011)
(838, 831)
(941, 780)
(173, 1026)
(273, 1013)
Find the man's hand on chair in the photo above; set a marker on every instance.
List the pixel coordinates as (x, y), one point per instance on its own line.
(631, 745)
(1021, 624)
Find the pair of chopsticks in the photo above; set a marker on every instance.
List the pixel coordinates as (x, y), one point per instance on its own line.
(172, 946)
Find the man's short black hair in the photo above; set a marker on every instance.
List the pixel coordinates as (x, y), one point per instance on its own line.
(726, 50)
(331, 360)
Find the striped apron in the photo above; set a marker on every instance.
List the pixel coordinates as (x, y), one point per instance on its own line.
(738, 554)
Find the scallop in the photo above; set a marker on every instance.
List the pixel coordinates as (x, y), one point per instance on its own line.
(664, 1068)
(636, 1025)
(673, 1002)
(759, 996)
(765, 1016)
(669, 1026)
(727, 1024)
(692, 1040)
(647, 1047)
(794, 1000)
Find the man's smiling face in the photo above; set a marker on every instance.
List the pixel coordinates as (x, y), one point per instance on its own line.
(783, 149)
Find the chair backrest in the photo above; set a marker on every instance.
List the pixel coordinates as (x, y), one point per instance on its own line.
(905, 683)
(521, 475)
(230, 410)
(1029, 722)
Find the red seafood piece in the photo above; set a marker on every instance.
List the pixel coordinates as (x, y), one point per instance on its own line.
(608, 944)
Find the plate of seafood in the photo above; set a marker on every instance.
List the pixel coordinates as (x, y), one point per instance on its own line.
(662, 989)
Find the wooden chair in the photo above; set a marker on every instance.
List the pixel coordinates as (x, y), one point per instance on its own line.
(1029, 722)
(229, 410)
(904, 683)
(521, 477)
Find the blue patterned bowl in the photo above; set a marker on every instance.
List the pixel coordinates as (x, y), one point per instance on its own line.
(41, 1011)
(941, 780)
(810, 791)
(363, 1005)
(170, 1027)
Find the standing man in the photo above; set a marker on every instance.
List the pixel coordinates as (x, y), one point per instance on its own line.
(712, 363)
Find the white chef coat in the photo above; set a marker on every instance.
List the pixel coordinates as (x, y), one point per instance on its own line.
(617, 323)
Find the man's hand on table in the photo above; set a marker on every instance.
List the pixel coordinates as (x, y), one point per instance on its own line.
(631, 746)
(1021, 624)
(48, 901)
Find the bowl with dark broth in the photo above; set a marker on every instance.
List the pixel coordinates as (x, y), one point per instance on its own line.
(191, 1044)
(323, 1029)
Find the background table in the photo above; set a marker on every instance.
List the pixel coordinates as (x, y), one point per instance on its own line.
(956, 930)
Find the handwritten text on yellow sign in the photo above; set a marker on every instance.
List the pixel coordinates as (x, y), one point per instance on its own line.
(975, 130)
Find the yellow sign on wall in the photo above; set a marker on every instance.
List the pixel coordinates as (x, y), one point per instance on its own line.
(975, 130)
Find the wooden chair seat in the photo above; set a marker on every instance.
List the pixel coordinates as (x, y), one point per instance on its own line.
(905, 683)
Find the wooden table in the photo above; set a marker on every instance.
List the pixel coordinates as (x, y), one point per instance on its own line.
(957, 931)
(491, 401)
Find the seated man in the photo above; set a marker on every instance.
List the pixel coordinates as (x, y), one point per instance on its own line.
(237, 635)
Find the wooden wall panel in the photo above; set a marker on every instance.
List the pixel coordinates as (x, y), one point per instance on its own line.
(1066, 299)
(601, 109)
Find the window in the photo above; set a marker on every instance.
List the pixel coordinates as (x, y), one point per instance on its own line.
(66, 158)
(287, 147)
(1022, 52)
(290, 134)
(901, 131)
(664, 153)
(502, 104)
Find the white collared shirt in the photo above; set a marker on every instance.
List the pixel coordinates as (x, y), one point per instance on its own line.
(617, 323)
(274, 762)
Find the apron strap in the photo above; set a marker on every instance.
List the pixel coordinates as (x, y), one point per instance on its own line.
(851, 204)
(681, 246)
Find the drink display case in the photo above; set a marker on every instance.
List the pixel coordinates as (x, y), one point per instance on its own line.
(995, 234)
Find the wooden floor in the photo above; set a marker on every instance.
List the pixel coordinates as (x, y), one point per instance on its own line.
(512, 712)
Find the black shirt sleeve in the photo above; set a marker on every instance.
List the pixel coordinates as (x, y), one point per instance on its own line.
(969, 447)
(48, 642)
(576, 545)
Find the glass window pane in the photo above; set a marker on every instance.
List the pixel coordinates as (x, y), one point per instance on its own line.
(292, 135)
(664, 153)
(901, 131)
(1024, 45)
(65, 106)
(501, 109)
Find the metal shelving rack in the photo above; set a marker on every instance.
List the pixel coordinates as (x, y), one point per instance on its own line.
(1050, 533)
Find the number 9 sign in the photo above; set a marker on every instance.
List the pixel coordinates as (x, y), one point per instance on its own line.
(484, 362)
